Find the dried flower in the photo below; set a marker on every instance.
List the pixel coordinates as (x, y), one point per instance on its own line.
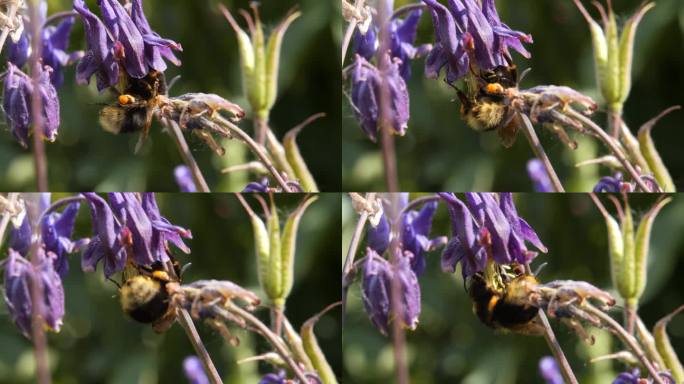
(377, 291)
(17, 285)
(194, 371)
(367, 81)
(184, 179)
(548, 370)
(469, 34)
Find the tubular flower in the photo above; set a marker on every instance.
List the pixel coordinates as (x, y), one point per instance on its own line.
(184, 179)
(274, 378)
(470, 33)
(18, 275)
(539, 176)
(257, 186)
(377, 291)
(484, 227)
(128, 228)
(367, 81)
(615, 184)
(548, 369)
(123, 39)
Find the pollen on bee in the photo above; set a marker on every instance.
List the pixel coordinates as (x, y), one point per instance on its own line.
(494, 88)
(126, 99)
(161, 275)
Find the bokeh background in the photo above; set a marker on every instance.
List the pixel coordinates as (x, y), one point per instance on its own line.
(440, 152)
(451, 345)
(99, 344)
(84, 157)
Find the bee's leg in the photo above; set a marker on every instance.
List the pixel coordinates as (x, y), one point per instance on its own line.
(577, 327)
(562, 135)
(221, 328)
(209, 140)
(145, 131)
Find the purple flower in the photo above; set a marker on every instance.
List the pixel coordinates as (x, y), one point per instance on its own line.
(415, 229)
(156, 47)
(18, 52)
(17, 103)
(548, 370)
(486, 227)
(466, 31)
(184, 179)
(377, 291)
(274, 378)
(128, 228)
(194, 371)
(256, 187)
(99, 58)
(540, 179)
(632, 377)
(18, 275)
(128, 42)
(402, 34)
(378, 237)
(365, 94)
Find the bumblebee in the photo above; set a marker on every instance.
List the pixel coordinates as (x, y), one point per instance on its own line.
(488, 106)
(502, 302)
(146, 296)
(136, 102)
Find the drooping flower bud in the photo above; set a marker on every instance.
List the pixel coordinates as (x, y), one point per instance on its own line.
(194, 371)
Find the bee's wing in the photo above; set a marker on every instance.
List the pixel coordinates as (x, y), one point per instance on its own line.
(112, 118)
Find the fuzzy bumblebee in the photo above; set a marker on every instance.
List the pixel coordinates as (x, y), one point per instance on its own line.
(146, 297)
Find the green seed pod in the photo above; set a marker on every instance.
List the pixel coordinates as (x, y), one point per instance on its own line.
(643, 239)
(258, 93)
(262, 245)
(665, 347)
(296, 345)
(275, 268)
(313, 350)
(247, 57)
(289, 246)
(651, 154)
(273, 60)
(295, 159)
(627, 48)
(616, 249)
(628, 270)
(610, 88)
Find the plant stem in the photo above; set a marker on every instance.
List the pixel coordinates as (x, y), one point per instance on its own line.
(186, 322)
(351, 253)
(396, 303)
(614, 123)
(274, 340)
(39, 161)
(626, 338)
(184, 150)
(36, 286)
(415, 203)
(260, 129)
(60, 203)
(11, 13)
(539, 152)
(550, 337)
(350, 29)
(389, 157)
(629, 317)
(257, 149)
(612, 146)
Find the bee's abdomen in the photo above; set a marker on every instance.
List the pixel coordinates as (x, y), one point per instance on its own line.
(508, 315)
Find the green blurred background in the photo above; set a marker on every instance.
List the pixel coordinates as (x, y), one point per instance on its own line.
(84, 157)
(98, 344)
(451, 345)
(440, 152)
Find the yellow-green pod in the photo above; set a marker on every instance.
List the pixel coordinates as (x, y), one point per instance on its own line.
(274, 276)
(651, 154)
(257, 98)
(246, 54)
(643, 239)
(627, 49)
(289, 246)
(313, 350)
(262, 245)
(295, 159)
(273, 59)
(611, 85)
(277, 152)
(295, 343)
(627, 270)
(616, 249)
(665, 348)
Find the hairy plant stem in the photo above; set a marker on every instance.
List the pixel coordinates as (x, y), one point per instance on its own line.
(39, 160)
(351, 253)
(184, 150)
(539, 152)
(11, 13)
(188, 325)
(349, 32)
(256, 149)
(612, 146)
(630, 317)
(272, 338)
(629, 341)
(4, 222)
(415, 203)
(397, 305)
(554, 346)
(260, 129)
(36, 286)
(614, 123)
(389, 157)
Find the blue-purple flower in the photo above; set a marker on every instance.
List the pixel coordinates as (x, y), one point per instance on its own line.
(539, 176)
(184, 179)
(257, 186)
(274, 378)
(17, 286)
(484, 228)
(55, 42)
(617, 184)
(17, 94)
(128, 228)
(194, 371)
(123, 39)
(367, 81)
(376, 289)
(469, 34)
(548, 370)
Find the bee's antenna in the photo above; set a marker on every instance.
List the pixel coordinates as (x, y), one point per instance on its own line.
(522, 75)
(172, 83)
(539, 268)
(183, 269)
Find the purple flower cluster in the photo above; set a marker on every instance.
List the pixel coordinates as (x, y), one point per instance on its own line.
(194, 371)
(125, 39)
(129, 228)
(486, 227)
(539, 176)
(274, 378)
(184, 179)
(391, 70)
(549, 371)
(469, 33)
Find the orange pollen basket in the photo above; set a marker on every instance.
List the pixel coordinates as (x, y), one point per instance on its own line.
(495, 88)
(126, 99)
